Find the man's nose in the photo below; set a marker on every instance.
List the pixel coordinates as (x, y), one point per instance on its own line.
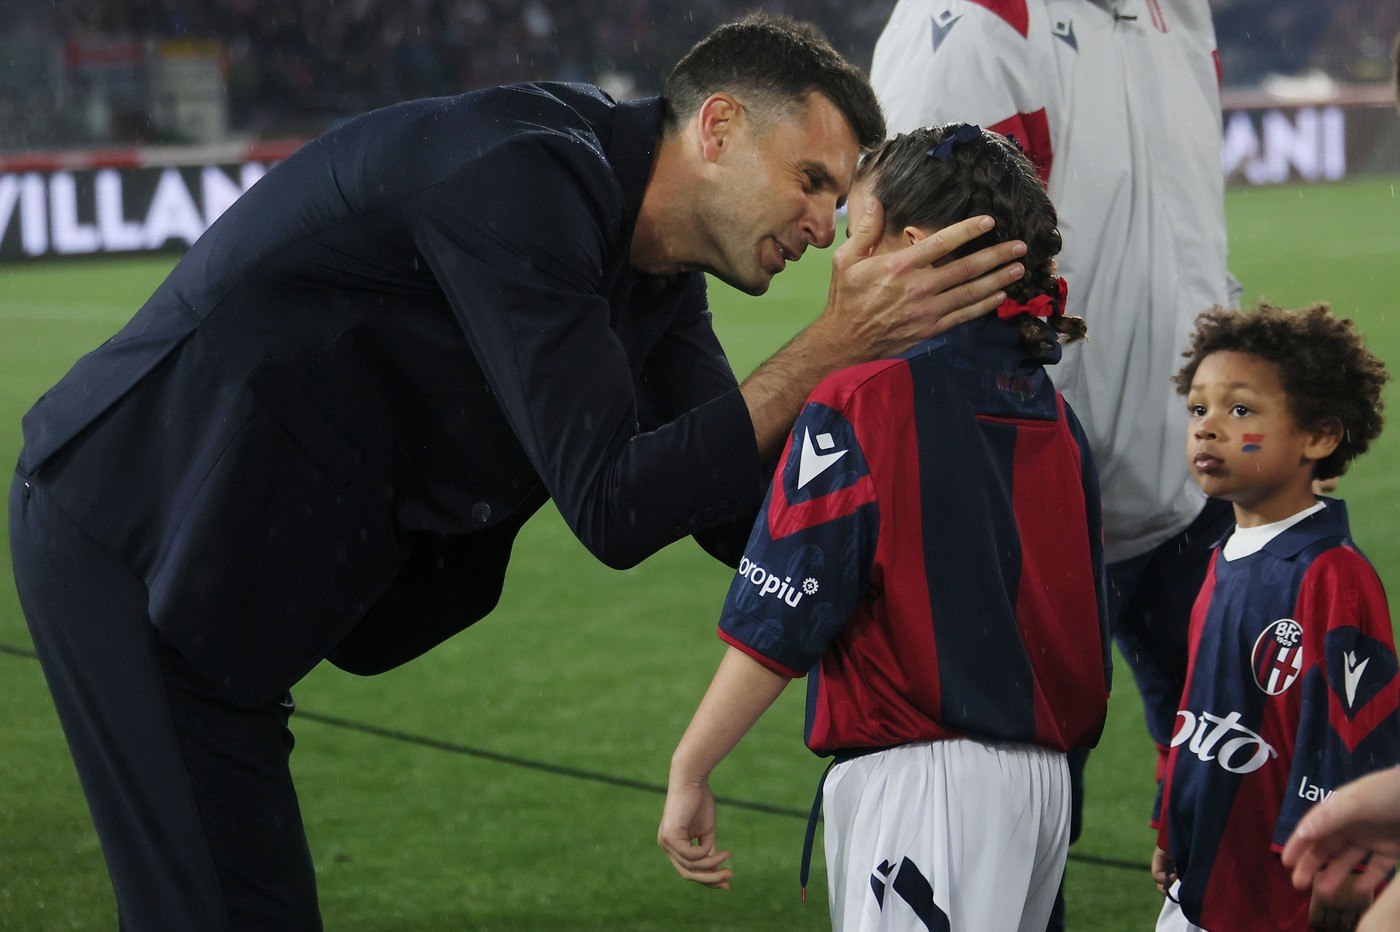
(820, 227)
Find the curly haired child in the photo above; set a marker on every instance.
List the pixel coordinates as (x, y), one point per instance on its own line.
(1291, 688)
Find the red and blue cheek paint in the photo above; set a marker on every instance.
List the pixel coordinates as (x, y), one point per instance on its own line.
(1253, 443)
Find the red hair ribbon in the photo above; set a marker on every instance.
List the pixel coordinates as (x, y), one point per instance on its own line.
(1042, 305)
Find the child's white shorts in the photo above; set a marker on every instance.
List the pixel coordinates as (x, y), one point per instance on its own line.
(1172, 919)
(958, 835)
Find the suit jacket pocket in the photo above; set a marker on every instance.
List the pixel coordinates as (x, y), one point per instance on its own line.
(307, 424)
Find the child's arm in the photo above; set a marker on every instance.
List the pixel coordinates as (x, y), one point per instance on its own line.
(741, 691)
(1339, 910)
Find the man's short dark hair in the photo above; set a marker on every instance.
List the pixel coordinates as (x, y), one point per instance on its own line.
(1326, 370)
(775, 62)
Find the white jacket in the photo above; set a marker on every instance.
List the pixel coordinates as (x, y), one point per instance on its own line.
(1120, 104)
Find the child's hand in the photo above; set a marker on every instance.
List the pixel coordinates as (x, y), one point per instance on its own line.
(687, 835)
(1163, 871)
(1340, 910)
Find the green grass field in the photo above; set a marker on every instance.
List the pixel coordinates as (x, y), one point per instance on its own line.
(510, 779)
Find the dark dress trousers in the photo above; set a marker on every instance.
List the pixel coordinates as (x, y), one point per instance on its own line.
(319, 436)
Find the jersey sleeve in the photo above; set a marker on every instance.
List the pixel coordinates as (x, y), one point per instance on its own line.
(955, 60)
(808, 558)
(1347, 723)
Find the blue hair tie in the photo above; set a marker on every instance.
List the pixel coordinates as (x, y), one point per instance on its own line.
(966, 132)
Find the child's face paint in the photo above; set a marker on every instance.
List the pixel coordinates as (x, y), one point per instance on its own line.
(1253, 443)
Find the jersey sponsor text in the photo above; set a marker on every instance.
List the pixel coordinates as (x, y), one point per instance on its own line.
(1312, 791)
(769, 583)
(1224, 740)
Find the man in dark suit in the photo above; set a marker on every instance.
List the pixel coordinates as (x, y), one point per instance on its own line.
(320, 435)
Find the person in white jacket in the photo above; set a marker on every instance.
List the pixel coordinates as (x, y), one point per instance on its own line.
(1117, 102)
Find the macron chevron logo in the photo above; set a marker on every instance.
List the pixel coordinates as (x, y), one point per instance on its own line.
(942, 25)
(1064, 31)
(1351, 675)
(814, 463)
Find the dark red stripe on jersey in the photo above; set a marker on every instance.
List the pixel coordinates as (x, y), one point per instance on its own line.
(1198, 613)
(1013, 11)
(791, 518)
(896, 640)
(908, 652)
(1032, 131)
(1358, 727)
(1056, 590)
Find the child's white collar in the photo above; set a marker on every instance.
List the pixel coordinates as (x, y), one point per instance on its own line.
(1245, 541)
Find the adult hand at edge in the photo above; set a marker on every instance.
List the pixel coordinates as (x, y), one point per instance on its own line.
(1359, 818)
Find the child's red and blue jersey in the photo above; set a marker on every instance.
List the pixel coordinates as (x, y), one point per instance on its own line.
(931, 549)
(1291, 691)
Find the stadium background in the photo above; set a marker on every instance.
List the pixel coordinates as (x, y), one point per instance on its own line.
(510, 779)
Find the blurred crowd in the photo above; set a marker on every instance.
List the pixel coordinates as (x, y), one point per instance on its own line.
(1343, 41)
(292, 67)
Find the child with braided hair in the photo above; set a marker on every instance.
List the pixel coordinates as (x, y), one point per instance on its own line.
(930, 553)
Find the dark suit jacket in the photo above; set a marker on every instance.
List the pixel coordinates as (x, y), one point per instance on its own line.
(321, 433)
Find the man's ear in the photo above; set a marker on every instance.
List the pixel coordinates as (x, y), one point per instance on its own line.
(717, 119)
(1323, 440)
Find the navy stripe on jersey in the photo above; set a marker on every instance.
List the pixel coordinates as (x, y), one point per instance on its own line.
(986, 679)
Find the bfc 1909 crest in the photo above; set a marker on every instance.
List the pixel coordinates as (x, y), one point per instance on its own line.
(1277, 658)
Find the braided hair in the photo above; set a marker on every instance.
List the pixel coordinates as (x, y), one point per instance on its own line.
(935, 176)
